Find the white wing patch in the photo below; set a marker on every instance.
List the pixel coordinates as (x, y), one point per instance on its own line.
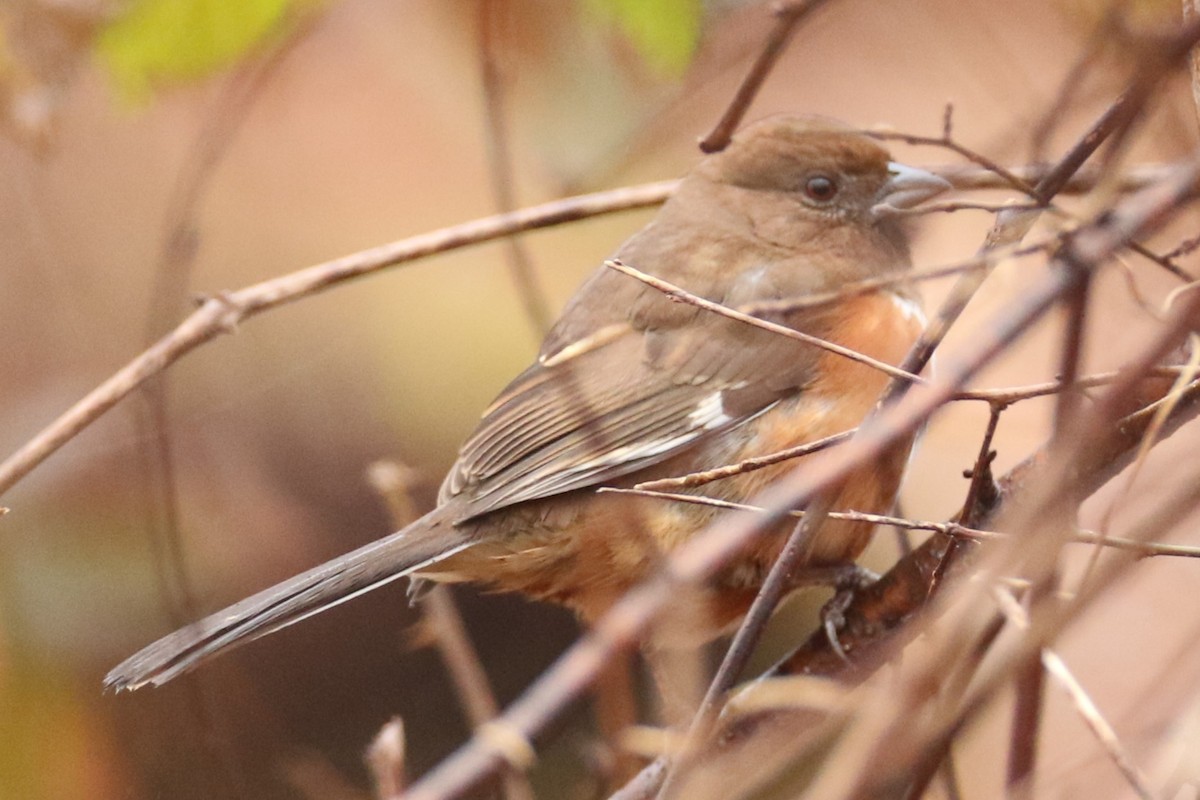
(710, 412)
(911, 310)
(708, 415)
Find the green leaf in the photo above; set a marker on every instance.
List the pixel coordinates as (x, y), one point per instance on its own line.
(159, 42)
(665, 32)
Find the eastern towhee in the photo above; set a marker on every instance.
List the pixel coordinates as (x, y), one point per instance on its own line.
(630, 386)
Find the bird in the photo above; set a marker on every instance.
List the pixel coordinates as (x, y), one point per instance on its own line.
(629, 386)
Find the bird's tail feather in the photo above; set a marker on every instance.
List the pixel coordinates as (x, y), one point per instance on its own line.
(419, 545)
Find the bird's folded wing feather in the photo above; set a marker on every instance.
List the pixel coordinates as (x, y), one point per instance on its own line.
(621, 398)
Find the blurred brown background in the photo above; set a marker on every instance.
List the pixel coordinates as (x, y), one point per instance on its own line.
(369, 128)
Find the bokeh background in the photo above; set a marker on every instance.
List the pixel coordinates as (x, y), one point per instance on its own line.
(365, 123)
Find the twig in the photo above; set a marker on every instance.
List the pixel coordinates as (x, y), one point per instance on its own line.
(980, 262)
(1007, 396)
(776, 585)
(952, 206)
(694, 479)
(386, 757)
(156, 450)
(1084, 705)
(682, 295)
(1099, 726)
(1076, 305)
(1154, 430)
(394, 483)
(222, 313)
(954, 530)
(1191, 14)
(1029, 679)
(947, 142)
(499, 151)
(1029, 687)
(981, 491)
(1085, 180)
(1186, 247)
(788, 16)
(969, 177)
(1009, 229)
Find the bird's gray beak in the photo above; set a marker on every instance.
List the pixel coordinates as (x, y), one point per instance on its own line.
(906, 188)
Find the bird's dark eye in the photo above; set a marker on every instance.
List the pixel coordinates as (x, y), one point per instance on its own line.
(820, 188)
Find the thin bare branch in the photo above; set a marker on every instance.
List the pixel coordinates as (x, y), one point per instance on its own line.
(1009, 229)
(694, 479)
(1029, 677)
(1010, 180)
(1154, 430)
(1084, 705)
(789, 14)
(394, 482)
(978, 263)
(1099, 726)
(777, 584)
(949, 529)
(386, 758)
(1029, 688)
(1191, 14)
(952, 206)
(684, 296)
(223, 312)
(970, 177)
(1006, 396)
(520, 264)
(981, 491)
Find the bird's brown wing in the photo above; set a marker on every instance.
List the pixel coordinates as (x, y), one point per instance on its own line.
(621, 399)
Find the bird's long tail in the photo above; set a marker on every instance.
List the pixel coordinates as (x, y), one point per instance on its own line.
(422, 544)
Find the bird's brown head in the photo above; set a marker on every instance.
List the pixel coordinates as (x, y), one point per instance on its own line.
(810, 183)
